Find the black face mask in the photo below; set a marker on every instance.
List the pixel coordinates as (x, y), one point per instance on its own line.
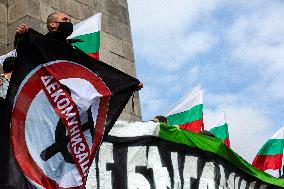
(65, 28)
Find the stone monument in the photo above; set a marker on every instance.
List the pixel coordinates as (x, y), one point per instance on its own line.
(116, 41)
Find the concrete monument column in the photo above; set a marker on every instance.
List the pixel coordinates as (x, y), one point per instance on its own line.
(116, 41)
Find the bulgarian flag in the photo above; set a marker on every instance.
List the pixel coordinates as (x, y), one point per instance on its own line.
(271, 154)
(89, 32)
(188, 112)
(220, 130)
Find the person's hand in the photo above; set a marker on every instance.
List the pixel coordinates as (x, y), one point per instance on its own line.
(139, 87)
(22, 28)
(1, 82)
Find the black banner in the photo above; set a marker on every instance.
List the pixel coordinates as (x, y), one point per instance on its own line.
(153, 163)
(59, 103)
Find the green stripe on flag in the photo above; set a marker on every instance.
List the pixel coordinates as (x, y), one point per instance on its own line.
(272, 147)
(193, 114)
(90, 44)
(220, 132)
(217, 147)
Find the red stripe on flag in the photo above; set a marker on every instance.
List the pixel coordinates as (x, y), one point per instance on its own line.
(227, 142)
(75, 131)
(94, 55)
(264, 162)
(194, 126)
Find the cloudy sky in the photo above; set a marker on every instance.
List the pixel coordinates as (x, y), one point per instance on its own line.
(233, 49)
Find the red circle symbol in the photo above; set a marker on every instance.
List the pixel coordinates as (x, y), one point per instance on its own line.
(29, 88)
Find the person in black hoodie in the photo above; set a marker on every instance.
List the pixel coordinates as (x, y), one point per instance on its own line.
(59, 27)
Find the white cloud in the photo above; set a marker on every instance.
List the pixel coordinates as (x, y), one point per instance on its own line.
(152, 103)
(192, 75)
(171, 51)
(198, 42)
(163, 26)
(167, 15)
(221, 100)
(163, 78)
(258, 42)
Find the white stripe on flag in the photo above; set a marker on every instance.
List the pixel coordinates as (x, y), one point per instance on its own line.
(279, 134)
(221, 120)
(190, 100)
(90, 25)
